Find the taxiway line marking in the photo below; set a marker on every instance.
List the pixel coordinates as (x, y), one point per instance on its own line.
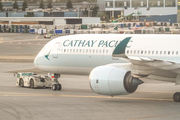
(37, 36)
(80, 96)
(154, 116)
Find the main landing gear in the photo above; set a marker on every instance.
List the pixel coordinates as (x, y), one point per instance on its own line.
(176, 97)
(56, 85)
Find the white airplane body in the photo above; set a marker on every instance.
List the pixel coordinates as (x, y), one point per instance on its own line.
(104, 58)
(77, 54)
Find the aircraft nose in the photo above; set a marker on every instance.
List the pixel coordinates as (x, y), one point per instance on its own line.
(36, 62)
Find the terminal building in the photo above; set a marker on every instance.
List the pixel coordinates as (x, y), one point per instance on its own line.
(155, 10)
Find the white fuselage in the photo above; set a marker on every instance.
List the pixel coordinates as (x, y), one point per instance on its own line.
(78, 54)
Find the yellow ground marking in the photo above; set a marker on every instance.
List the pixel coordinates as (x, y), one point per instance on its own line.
(78, 96)
(154, 116)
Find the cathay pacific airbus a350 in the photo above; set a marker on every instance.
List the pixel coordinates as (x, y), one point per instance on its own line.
(115, 63)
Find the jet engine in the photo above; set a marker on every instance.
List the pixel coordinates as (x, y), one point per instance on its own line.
(110, 80)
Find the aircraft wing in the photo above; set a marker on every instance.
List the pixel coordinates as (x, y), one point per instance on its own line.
(153, 68)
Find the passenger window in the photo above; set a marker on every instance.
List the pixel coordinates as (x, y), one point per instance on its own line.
(172, 52)
(169, 52)
(77, 51)
(106, 51)
(93, 51)
(127, 51)
(138, 52)
(103, 51)
(135, 52)
(83, 50)
(145, 52)
(152, 52)
(141, 52)
(80, 51)
(160, 52)
(176, 52)
(64, 50)
(164, 52)
(149, 52)
(67, 50)
(87, 51)
(96, 51)
(70, 50)
(156, 52)
(99, 51)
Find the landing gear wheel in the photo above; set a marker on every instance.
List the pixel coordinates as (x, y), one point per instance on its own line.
(176, 97)
(54, 87)
(21, 82)
(59, 87)
(31, 83)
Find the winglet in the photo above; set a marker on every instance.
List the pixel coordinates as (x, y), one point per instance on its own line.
(119, 51)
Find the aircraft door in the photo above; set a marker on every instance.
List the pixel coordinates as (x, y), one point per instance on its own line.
(56, 49)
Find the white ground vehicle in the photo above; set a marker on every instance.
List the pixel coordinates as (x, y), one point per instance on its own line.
(32, 80)
(47, 36)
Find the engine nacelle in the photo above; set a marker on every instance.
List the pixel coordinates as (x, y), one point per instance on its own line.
(109, 80)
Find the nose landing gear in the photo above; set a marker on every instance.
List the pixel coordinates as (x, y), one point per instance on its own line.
(56, 85)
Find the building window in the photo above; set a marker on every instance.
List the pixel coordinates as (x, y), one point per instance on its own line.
(170, 3)
(109, 4)
(139, 3)
(156, 3)
(119, 4)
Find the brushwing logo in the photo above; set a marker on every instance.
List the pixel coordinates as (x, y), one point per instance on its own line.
(47, 56)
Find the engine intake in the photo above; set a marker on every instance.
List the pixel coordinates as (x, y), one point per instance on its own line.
(109, 80)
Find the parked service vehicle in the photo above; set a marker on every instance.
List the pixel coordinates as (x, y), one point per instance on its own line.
(32, 80)
(47, 36)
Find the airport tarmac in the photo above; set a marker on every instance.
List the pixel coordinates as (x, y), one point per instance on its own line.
(152, 101)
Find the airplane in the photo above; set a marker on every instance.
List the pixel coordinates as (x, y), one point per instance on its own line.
(115, 63)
